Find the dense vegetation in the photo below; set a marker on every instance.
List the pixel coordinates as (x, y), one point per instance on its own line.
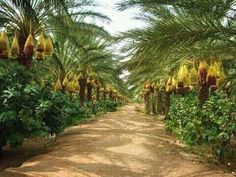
(52, 79)
(214, 124)
(181, 63)
(30, 109)
(185, 54)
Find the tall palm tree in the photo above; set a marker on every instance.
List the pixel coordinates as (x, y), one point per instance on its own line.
(36, 16)
(177, 31)
(90, 61)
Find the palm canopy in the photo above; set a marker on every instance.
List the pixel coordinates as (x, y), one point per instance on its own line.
(177, 31)
(93, 57)
(35, 16)
(216, 8)
(81, 49)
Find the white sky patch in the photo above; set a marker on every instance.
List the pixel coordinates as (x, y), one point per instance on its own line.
(121, 20)
(124, 75)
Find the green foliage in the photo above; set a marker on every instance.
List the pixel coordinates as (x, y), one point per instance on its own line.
(220, 116)
(103, 106)
(176, 31)
(111, 106)
(184, 116)
(29, 110)
(213, 124)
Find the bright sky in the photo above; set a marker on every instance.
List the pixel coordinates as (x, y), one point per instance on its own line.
(121, 21)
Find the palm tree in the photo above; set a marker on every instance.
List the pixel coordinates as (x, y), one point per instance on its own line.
(91, 63)
(177, 31)
(25, 17)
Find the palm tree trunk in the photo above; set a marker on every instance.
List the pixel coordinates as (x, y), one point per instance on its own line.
(82, 85)
(104, 94)
(158, 100)
(167, 104)
(153, 101)
(204, 88)
(161, 104)
(147, 100)
(98, 93)
(110, 95)
(203, 94)
(24, 59)
(89, 91)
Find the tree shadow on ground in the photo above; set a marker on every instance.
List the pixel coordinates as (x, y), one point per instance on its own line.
(31, 148)
(122, 144)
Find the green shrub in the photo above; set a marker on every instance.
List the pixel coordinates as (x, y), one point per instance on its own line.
(111, 106)
(51, 108)
(74, 113)
(27, 110)
(213, 124)
(219, 118)
(18, 118)
(184, 118)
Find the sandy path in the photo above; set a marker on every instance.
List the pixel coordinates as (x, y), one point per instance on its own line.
(121, 144)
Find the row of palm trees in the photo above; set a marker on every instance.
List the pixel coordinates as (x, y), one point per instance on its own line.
(178, 32)
(80, 48)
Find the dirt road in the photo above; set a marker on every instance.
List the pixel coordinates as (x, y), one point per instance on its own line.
(121, 144)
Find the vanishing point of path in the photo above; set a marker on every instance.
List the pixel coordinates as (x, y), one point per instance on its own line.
(125, 143)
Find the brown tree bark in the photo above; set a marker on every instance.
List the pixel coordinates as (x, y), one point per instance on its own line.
(147, 101)
(82, 85)
(159, 102)
(98, 93)
(204, 88)
(167, 104)
(110, 95)
(153, 100)
(104, 94)
(89, 91)
(203, 94)
(24, 59)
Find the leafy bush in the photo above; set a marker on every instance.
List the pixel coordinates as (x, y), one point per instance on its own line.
(18, 117)
(219, 116)
(74, 113)
(184, 118)
(51, 108)
(213, 124)
(28, 110)
(102, 106)
(111, 106)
